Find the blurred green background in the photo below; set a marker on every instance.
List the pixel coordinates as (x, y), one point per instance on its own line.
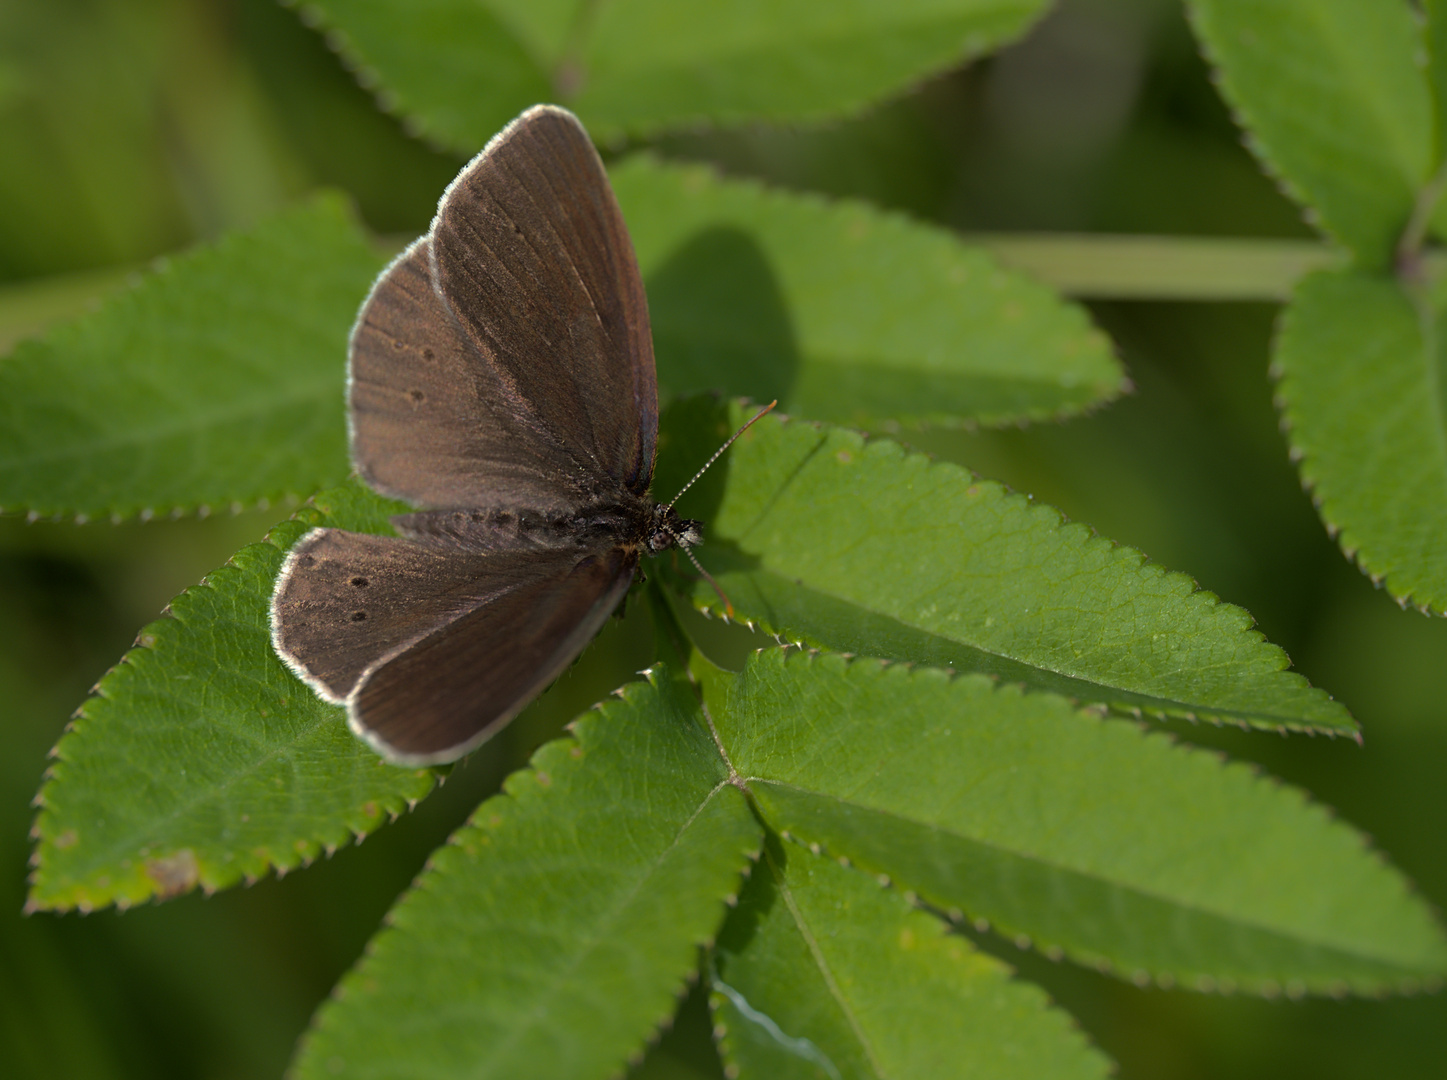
(131, 128)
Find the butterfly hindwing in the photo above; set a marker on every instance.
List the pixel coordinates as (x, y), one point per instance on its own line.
(442, 695)
(434, 646)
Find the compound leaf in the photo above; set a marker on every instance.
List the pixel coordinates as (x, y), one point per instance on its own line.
(553, 934)
(1085, 835)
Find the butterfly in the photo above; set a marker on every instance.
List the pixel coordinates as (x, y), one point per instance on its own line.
(501, 379)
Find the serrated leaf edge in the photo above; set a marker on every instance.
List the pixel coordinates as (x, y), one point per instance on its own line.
(1054, 951)
(532, 780)
(301, 852)
(710, 606)
(1283, 400)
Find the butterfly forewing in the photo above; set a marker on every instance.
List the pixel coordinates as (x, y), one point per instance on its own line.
(430, 419)
(531, 255)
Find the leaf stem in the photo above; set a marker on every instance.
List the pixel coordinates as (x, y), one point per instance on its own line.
(1410, 257)
(1137, 267)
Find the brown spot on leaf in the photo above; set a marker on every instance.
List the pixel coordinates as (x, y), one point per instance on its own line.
(174, 874)
(66, 839)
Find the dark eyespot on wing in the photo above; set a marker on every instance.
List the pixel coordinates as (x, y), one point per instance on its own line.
(329, 629)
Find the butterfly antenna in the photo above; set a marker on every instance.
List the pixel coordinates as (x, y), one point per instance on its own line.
(728, 604)
(757, 417)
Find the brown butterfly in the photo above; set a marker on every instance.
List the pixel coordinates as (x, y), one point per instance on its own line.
(501, 378)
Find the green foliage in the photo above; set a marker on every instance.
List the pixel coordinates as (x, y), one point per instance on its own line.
(459, 70)
(227, 395)
(1437, 75)
(553, 934)
(823, 974)
(200, 760)
(1086, 836)
(213, 383)
(1359, 361)
(1076, 871)
(857, 546)
(906, 817)
(1345, 100)
(1334, 102)
(845, 314)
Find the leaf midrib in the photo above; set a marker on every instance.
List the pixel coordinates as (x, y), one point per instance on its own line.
(538, 1017)
(304, 394)
(1166, 706)
(835, 991)
(1090, 874)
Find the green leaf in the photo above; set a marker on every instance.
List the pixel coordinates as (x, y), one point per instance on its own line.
(553, 934)
(661, 63)
(460, 69)
(216, 382)
(845, 313)
(858, 546)
(1431, 206)
(1360, 369)
(456, 70)
(822, 974)
(1332, 97)
(1436, 35)
(200, 759)
(1086, 835)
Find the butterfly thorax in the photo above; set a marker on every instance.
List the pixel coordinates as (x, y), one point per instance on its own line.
(631, 522)
(636, 522)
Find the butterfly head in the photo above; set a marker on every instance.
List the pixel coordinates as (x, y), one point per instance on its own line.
(666, 530)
